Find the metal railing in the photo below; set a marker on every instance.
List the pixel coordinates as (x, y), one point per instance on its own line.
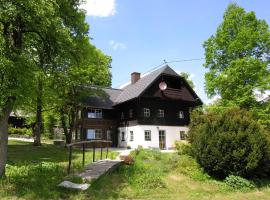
(88, 144)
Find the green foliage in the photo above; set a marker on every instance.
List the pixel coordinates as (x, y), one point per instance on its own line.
(230, 143)
(183, 148)
(20, 131)
(143, 175)
(237, 57)
(187, 165)
(186, 76)
(50, 121)
(239, 183)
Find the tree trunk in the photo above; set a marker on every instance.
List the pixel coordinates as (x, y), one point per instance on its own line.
(39, 123)
(64, 126)
(4, 133)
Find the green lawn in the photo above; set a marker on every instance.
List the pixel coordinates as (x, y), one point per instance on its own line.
(34, 172)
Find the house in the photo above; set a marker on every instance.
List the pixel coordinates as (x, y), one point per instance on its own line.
(151, 111)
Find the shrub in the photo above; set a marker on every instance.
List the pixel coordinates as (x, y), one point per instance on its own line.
(230, 143)
(239, 183)
(183, 148)
(20, 131)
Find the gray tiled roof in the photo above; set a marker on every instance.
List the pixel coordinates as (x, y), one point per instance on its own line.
(104, 101)
(132, 91)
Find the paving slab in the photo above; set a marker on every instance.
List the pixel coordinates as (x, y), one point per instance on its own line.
(70, 185)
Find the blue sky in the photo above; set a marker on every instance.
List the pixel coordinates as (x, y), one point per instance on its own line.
(140, 34)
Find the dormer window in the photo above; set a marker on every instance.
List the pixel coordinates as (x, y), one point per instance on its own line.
(181, 114)
(95, 113)
(160, 113)
(146, 112)
(122, 115)
(130, 113)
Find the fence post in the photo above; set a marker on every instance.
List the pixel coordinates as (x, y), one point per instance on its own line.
(83, 154)
(101, 150)
(107, 149)
(69, 158)
(94, 149)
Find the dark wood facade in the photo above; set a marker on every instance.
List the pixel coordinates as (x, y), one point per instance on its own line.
(178, 96)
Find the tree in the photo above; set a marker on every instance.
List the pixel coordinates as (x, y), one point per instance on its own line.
(186, 76)
(34, 35)
(237, 57)
(91, 69)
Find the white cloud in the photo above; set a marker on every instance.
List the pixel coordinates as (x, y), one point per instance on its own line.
(99, 8)
(117, 45)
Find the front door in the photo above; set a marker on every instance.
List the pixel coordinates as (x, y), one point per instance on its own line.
(162, 139)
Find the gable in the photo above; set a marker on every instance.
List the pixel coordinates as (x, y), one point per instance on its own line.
(132, 91)
(177, 89)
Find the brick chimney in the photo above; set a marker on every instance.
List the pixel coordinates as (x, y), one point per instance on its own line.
(135, 76)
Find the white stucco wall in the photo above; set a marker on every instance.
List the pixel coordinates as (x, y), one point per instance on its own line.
(172, 134)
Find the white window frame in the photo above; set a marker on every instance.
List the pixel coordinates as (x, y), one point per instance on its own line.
(90, 135)
(130, 113)
(161, 113)
(94, 134)
(98, 134)
(131, 136)
(183, 135)
(109, 137)
(181, 114)
(146, 112)
(95, 113)
(147, 135)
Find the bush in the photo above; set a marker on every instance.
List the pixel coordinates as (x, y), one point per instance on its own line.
(20, 131)
(183, 148)
(239, 183)
(230, 143)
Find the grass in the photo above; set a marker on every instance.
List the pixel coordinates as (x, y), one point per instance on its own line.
(154, 175)
(34, 172)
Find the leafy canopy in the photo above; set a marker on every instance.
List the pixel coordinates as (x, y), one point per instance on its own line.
(238, 57)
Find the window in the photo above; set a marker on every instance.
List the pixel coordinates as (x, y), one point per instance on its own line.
(94, 134)
(90, 134)
(123, 136)
(95, 113)
(109, 137)
(130, 113)
(160, 113)
(181, 114)
(131, 136)
(98, 134)
(147, 135)
(122, 116)
(183, 135)
(146, 112)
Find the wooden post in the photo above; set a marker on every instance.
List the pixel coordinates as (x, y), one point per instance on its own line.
(83, 154)
(107, 150)
(94, 149)
(69, 159)
(101, 152)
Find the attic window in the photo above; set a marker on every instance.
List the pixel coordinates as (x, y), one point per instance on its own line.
(146, 112)
(181, 114)
(122, 116)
